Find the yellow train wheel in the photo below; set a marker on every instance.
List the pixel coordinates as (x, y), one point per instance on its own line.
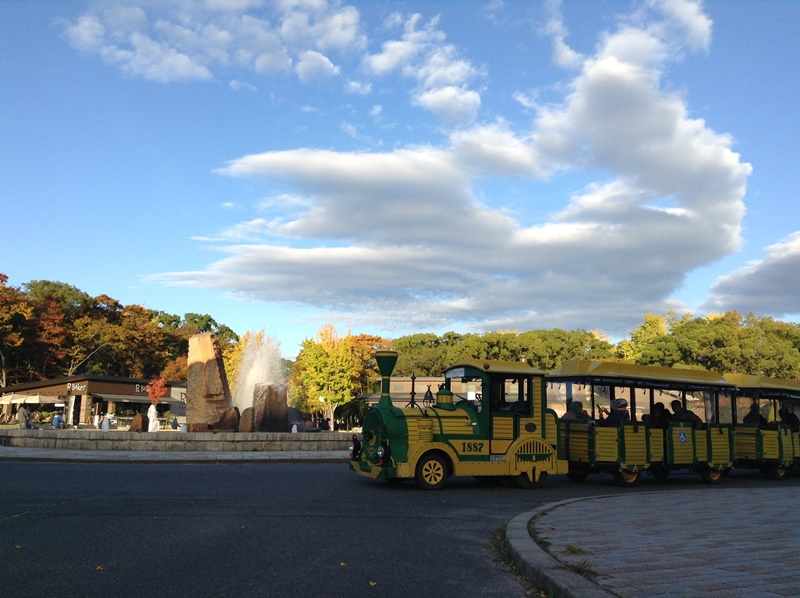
(712, 475)
(431, 472)
(776, 471)
(627, 478)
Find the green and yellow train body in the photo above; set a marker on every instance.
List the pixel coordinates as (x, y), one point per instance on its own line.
(770, 444)
(509, 433)
(635, 447)
(513, 429)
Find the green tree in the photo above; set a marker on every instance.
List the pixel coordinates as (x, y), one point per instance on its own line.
(424, 354)
(646, 333)
(324, 375)
(73, 302)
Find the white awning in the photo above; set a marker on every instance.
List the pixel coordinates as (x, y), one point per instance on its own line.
(17, 399)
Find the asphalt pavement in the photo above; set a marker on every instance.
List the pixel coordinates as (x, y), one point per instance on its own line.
(703, 542)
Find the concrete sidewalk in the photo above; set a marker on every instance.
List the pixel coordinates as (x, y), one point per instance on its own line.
(119, 456)
(704, 542)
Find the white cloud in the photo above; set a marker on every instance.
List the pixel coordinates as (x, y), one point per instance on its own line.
(405, 236)
(237, 85)
(563, 55)
(312, 66)
(453, 105)
(441, 76)
(767, 286)
(87, 34)
(169, 42)
(361, 88)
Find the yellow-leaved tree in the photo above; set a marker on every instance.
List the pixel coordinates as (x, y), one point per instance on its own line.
(324, 375)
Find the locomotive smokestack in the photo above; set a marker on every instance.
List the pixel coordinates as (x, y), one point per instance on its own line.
(386, 362)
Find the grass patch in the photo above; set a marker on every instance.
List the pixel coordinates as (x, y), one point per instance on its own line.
(570, 549)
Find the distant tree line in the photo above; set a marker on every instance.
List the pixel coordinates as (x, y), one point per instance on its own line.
(723, 343)
(52, 329)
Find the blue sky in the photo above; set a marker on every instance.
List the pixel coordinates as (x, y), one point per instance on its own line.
(402, 167)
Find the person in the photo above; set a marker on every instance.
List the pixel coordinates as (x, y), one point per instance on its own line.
(175, 423)
(617, 415)
(576, 412)
(658, 418)
(105, 423)
(325, 424)
(23, 417)
(754, 416)
(789, 419)
(58, 421)
(680, 414)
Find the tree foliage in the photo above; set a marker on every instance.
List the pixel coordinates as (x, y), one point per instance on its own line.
(728, 342)
(331, 370)
(51, 329)
(429, 354)
(156, 389)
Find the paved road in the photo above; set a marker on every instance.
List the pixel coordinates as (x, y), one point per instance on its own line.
(274, 529)
(292, 528)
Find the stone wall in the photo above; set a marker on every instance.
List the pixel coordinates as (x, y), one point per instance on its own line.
(174, 441)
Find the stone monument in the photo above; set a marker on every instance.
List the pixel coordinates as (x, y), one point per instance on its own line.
(208, 396)
(269, 408)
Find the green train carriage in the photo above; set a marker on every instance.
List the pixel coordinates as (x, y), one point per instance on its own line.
(507, 434)
(633, 448)
(769, 445)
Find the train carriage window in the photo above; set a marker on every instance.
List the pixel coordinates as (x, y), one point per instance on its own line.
(602, 400)
(561, 394)
(696, 403)
(725, 414)
(642, 402)
(743, 405)
(509, 395)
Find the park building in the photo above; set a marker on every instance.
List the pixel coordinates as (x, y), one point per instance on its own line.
(83, 400)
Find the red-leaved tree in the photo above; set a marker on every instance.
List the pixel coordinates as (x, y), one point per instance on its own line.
(156, 389)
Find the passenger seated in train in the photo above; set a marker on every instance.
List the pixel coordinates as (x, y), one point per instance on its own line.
(754, 416)
(576, 412)
(789, 419)
(617, 415)
(658, 418)
(680, 414)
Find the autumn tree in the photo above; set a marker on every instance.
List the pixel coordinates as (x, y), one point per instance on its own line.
(363, 348)
(156, 389)
(15, 312)
(324, 375)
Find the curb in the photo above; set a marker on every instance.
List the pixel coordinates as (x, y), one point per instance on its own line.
(542, 569)
(95, 456)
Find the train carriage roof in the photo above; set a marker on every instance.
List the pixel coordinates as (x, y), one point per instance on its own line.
(608, 372)
(492, 366)
(766, 386)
